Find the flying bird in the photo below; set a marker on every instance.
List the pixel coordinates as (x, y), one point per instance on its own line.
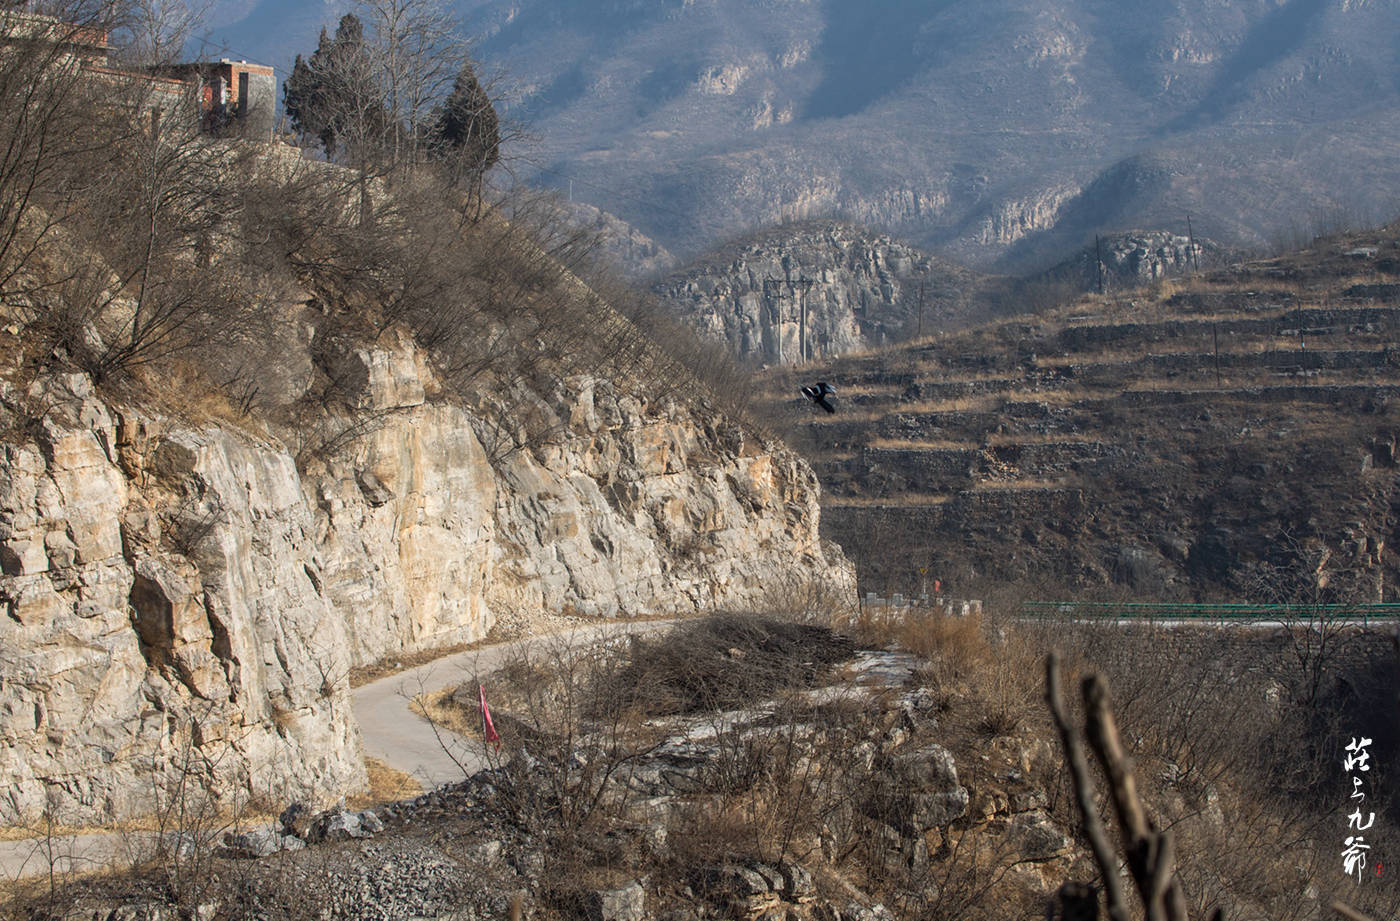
(819, 393)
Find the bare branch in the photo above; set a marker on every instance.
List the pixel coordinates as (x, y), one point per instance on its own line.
(1084, 794)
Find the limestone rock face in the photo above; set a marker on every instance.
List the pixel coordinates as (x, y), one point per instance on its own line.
(173, 630)
(832, 287)
(1138, 258)
(636, 509)
(188, 600)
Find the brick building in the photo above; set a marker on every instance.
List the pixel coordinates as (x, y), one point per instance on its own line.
(234, 97)
(230, 98)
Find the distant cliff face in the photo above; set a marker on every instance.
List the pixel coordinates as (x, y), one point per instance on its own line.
(817, 290)
(1129, 260)
(998, 133)
(187, 597)
(634, 253)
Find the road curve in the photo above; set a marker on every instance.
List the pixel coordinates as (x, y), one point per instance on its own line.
(394, 734)
(389, 730)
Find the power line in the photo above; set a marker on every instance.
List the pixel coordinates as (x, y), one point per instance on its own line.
(206, 43)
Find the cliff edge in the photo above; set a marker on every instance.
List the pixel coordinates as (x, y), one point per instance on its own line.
(186, 593)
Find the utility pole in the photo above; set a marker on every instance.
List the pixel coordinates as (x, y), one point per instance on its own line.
(1098, 260)
(805, 285)
(1191, 235)
(772, 296)
(921, 309)
(1215, 334)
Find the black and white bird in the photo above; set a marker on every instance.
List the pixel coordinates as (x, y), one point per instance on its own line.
(819, 394)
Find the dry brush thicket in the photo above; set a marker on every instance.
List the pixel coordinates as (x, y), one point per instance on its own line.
(1235, 742)
(1235, 804)
(197, 271)
(736, 746)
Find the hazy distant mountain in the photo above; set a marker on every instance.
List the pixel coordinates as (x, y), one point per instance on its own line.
(995, 131)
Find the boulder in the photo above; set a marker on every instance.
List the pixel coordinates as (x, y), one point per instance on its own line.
(625, 904)
(917, 790)
(296, 820)
(338, 825)
(1036, 837)
(797, 881)
(262, 842)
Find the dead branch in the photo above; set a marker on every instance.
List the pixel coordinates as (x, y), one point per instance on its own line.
(1150, 853)
(1084, 795)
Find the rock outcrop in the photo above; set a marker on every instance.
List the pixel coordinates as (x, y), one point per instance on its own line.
(1136, 258)
(186, 601)
(637, 255)
(818, 290)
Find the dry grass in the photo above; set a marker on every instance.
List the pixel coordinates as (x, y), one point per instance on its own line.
(139, 825)
(1003, 439)
(992, 669)
(1068, 395)
(386, 785)
(870, 390)
(364, 674)
(981, 402)
(1027, 484)
(439, 708)
(961, 641)
(862, 415)
(185, 390)
(898, 444)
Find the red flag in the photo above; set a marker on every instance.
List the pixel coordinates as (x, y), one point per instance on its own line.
(488, 729)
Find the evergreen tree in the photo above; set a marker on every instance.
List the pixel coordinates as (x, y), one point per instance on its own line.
(467, 126)
(334, 96)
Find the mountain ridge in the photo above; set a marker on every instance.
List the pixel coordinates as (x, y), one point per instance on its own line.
(999, 134)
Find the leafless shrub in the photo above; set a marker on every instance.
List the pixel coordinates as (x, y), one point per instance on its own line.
(788, 785)
(1242, 770)
(53, 142)
(808, 600)
(726, 662)
(1150, 854)
(569, 745)
(191, 522)
(189, 819)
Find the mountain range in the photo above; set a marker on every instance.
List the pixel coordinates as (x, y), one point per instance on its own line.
(1001, 133)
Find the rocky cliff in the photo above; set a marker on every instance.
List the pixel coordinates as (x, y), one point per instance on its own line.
(828, 288)
(187, 598)
(1136, 258)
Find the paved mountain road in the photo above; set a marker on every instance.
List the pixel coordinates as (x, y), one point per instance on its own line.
(405, 741)
(389, 729)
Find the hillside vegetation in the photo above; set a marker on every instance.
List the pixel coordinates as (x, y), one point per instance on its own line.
(1226, 437)
(751, 766)
(266, 419)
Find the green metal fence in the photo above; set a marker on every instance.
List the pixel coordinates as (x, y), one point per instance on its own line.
(1209, 613)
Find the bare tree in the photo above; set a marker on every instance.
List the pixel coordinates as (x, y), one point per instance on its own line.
(371, 94)
(1150, 854)
(170, 191)
(417, 51)
(48, 136)
(154, 32)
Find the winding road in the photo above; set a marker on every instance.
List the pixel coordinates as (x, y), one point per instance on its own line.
(389, 730)
(392, 733)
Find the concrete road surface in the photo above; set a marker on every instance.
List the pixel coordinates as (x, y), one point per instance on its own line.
(390, 730)
(403, 740)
